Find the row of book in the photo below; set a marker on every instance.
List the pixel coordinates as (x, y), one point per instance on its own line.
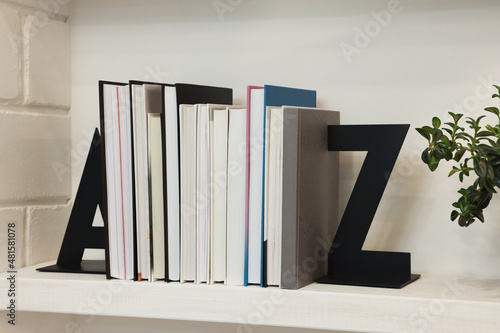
(200, 190)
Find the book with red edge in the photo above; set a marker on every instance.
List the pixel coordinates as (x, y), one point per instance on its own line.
(117, 187)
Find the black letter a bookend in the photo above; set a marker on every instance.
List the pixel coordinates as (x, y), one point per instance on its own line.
(347, 263)
(80, 234)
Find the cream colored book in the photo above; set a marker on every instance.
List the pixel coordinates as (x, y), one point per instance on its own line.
(188, 137)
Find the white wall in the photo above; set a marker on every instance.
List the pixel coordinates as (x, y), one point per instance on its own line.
(428, 58)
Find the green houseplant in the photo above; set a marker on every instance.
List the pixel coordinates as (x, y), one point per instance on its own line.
(475, 151)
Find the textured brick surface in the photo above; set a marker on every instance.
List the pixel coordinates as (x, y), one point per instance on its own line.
(48, 62)
(34, 159)
(44, 232)
(11, 216)
(10, 42)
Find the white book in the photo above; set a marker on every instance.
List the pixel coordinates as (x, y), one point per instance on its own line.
(154, 100)
(118, 159)
(255, 184)
(274, 206)
(218, 191)
(202, 193)
(267, 232)
(172, 182)
(188, 139)
(219, 136)
(140, 130)
(236, 200)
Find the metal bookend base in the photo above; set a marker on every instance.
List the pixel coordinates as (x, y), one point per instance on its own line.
(86, 267)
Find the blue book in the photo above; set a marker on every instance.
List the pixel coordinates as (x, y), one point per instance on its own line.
(255, 268)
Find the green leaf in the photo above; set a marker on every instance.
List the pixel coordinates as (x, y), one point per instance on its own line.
(424, 133)
(433, 166)
(496, 180)
(426, 156)
(484, 200)
(464, 221)
(441, 144)
(480, 216)
(451, 125)
(489, 186)
(493, 110)
(448, 155)
(488, 150)
(490, 172)
(464, 192)
(454, 171)
(464, 206)
(485, 133)
(445, 140)
(478, 120)
(474, 197)
(495, 161)
(459, 154)
(466, 171)
(454, 215)
(491, 142)
(438, 154)
(436, 134)
(465, 136)
(471, 121)
(456, 117)
(480, 168)
(498, 89)
(427, 129)
(436, 122)
(490, 128)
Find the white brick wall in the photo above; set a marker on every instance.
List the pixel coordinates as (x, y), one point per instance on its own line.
(45, 230)
(48, 62)
(10, 62)
(35, 150)
(32, 146)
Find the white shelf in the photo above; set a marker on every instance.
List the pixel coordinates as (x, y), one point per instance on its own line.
(432, 304)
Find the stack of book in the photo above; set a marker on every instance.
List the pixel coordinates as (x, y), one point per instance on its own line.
(200, 190)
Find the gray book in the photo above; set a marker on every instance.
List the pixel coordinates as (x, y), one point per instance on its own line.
(310, 189)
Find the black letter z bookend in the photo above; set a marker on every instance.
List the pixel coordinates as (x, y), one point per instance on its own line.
(347, 263)
(80, 234)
